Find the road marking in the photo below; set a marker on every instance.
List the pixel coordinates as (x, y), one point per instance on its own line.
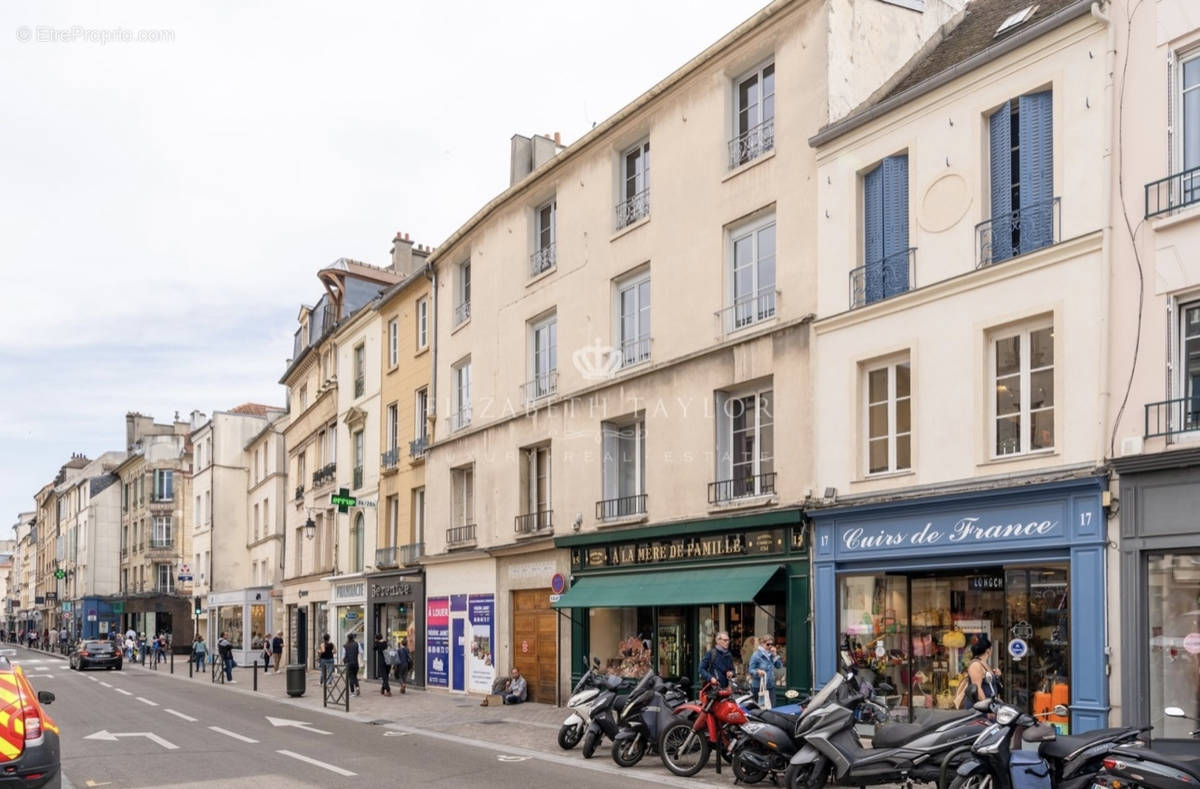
(108, 736)
(232, 734)
(90, 782)
(331, 768)
(295, 724)
(396, 733)
(47, 676)
(105, 684)
(122, 691)
(147, 701)
(505, 757)
(187, 718)
(93, 679)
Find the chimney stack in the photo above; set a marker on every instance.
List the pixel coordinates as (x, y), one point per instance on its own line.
(402, 256)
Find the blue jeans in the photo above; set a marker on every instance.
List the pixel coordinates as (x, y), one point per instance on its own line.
(198, 659)
(228, 668)
(326, 669)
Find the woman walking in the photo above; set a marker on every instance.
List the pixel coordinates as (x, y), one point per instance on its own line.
(350, 655)
(382, 669)
(199, 653)
(327, 657)
(403, 664)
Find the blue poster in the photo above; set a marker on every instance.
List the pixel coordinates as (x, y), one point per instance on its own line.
(481, 610)
(437, 642)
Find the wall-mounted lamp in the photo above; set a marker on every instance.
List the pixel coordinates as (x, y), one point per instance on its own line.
(310, 528)
(831, 495)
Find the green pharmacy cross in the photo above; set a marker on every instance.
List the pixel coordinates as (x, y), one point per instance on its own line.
(60, 574)
(342, 500)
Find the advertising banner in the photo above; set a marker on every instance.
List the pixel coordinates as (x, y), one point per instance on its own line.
(437, 645)
(481, 610)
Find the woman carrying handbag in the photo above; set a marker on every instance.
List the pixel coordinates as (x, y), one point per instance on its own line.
(762, 671)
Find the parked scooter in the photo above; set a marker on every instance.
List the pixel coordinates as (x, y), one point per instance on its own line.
(1170, 763)
(685, 745)
(588, 692)
(652, 705)
(603, 711)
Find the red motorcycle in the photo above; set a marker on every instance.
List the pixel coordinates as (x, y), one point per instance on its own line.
(685, 745)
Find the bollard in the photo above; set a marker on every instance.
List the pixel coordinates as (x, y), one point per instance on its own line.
(191, 665)
(172, 661)
(256, 673)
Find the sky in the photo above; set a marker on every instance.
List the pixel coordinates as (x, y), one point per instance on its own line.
(173, 175)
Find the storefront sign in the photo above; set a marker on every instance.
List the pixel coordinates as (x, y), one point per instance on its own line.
(481, 608)
(683, 548)
(530, 570)
(985, 583)
(437, 641)
(799, 538)
(398, 589)
(349, 591)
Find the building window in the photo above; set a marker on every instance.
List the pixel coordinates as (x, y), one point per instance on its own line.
(162, 537)
(886, 269)
(1021, 169)
(360, 370)
(418, 515)
(196, 513)
(635, 185)
(421, 415)
(393, 520)
(422, 323)
(746, 446)
(164, 485)
(543, 258)
(393, 428)
(633, 319)
(535, 481)
(208, 507)
(462, 293)
(1186, 153)
(624, 482)
(356, 543)
(888, 417)
(166, 578)
(543, 358)
(1023, 390)
(1189, 362)
(303, 396)
(358, 458)
(268, 527)
(462, 394)
(300, 470)
(256, 528)
(463, 490)
(752, 274)
(754, 116)
(393, 342)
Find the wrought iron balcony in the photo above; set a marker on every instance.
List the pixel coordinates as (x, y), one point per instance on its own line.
(741, 487)
(621, 507)
(462, 417)
(1172, 417)
(1027, 229)
(462, 313)
(324, 475)
(542, 260)
(417, 447)
(633, 209)
(541, 386)
(157, 543)
(747, 310)
(459, 536)
(390, 458)
(360, 386)
(1175, 191)
(385, 558)
(752, 143)
(299, 492)
(358, 477)
(890, 276)
(534, 522)
(635, 351)
(411, 554)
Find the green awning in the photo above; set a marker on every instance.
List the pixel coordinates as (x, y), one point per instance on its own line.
(669, 587)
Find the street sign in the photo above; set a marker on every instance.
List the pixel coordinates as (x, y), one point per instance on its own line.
(342, 500)
(558, 584)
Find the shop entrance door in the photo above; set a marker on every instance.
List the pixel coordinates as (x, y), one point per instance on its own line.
(1037, 671)
(458, 646)
(535, 642)
(301, 635)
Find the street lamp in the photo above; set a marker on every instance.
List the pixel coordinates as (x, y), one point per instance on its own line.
(310, 528)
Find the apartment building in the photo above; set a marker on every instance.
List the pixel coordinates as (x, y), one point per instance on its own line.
(24, 571)
(615, 453)
(266, 497)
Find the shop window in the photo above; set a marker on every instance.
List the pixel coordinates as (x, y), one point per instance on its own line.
(1022, 364)
(229, 622)
(888, 417)
(1174, 618)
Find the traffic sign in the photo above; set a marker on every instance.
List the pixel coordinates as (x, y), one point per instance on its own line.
(342, 500)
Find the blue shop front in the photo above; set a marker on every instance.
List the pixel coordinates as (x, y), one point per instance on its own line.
(909, 586)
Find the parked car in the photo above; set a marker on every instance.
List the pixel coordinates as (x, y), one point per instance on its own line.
(95, 653)
(29, 749)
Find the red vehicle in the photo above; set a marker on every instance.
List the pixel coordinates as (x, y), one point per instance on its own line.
(686, 744)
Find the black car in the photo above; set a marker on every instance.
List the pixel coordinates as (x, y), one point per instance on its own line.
(95, 653)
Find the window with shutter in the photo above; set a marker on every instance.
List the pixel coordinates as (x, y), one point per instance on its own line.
(885, 270)
(1021, 169)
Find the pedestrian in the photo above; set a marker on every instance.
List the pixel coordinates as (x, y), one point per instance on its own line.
(517, 688)
(403, 663)
(52, 640)
(350, 655)
(717, 664)
(277, 649)
(225, 649)
(265, 646)
(327, 657)
(762, 671)
(199, 653)
(129, 645)
(380, 648)
(45, 637)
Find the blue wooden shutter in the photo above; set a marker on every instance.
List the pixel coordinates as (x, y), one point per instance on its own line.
(1001, 176)
(873, 234)
(895, 225)
(1036, 158)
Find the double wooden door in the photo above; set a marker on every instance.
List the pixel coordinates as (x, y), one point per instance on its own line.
(535, 642)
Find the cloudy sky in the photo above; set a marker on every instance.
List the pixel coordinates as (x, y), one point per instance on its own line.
(165, 203)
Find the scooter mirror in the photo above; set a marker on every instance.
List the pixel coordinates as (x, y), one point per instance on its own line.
(1061, 710)
(596, 662)
(1174, 712)
(984, 705)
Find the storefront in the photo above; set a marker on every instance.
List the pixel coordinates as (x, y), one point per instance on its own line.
(656, 597)
(96, 617)
(246, 617)
(460, 623)
(157, 614)
(1160, 609)
(349, 610)
(396, 602)
(909, 586)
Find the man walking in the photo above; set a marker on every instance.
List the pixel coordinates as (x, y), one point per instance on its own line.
(350, 653)
(717, 664)
(225, 650)
(277, 650)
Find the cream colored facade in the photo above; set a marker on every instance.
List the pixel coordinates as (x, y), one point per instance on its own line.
(266, 495)
(89, 542)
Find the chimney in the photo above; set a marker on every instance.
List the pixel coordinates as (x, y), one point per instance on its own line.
(402, 256)
(520, 158)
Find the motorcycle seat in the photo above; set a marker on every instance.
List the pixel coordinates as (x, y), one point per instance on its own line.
(1186, 763)
(780, 719)
(1063, 746)
(896, 734)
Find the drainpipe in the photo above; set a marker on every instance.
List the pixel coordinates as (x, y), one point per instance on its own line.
(431, 275)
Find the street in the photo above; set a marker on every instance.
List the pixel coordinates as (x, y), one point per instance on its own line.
(141, 728)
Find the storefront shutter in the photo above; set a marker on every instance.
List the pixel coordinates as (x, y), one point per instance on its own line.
(895, 225)
(1035, 122)
(1000, 172)
(873, 234)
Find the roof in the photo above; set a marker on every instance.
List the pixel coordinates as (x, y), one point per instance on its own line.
(102, 482)
(962, 47)
(254, 409)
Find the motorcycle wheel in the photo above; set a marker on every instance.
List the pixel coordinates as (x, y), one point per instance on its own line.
(627, 753)
(590, 741)
(683, 751)
(976, 781)
(742, 771)
(800, 776)
(569, 736)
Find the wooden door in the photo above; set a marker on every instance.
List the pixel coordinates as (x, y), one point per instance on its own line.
(535, 642)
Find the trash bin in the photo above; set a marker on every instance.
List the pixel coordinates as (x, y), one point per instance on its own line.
(295, 679)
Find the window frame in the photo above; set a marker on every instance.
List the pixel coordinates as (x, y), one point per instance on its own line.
(422, 310)
(462, 392)
(737, 108)
(1023, 331)
(1177, 94)
(642, 342)
(421, 413)
(537, 465)
(462, 487)
(462, 292)
(612, 432)
(393, 342)
(392, 426)
(750, 229)
(417, 515)
(541, 382)
(633, 183)
(892, 400)
(360, 369)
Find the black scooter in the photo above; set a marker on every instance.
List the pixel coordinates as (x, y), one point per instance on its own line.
(603, 722)
(650, 709)
(1170, 763)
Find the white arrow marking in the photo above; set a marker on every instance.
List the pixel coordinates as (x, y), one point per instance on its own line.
(295, 724)
(331, 768)
(187, 718)
(232, 734)
(504, 757)
(108, 736)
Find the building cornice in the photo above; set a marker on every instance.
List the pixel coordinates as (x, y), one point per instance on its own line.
(1158, 461)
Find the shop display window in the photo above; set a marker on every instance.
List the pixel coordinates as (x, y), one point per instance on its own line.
(623, 639)
(1174, 640)
(258, 626)
(350, 620)
(229, 622)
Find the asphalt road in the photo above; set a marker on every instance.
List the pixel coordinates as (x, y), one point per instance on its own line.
(137, 728)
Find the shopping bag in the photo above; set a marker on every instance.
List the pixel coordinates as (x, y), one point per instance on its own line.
(764, 698)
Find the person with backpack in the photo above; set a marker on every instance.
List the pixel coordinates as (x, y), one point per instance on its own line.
(350, 656)
(403, 663)
(327, 657)
(380, 648)
(717, 664)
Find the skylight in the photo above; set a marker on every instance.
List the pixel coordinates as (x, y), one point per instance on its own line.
(1015, 19)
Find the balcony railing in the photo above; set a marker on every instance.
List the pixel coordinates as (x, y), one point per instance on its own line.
(460, 535)
(534, 522)
(158, 543)
(417, 447)
(541, 386)
(1171, 417)
(633, 209)
(1024, 230)
(360, 386)
(752, 143)
(462, 417)
(1174, 191)
(385, 558)
(891, 276)
(741, 487)
(299, 492)
(622, 507)
(542, 260)
(324, 475)
(390, 458)
(462, 312)
(411, 554)
(635, 351)
(358, 477)
(747, 310)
